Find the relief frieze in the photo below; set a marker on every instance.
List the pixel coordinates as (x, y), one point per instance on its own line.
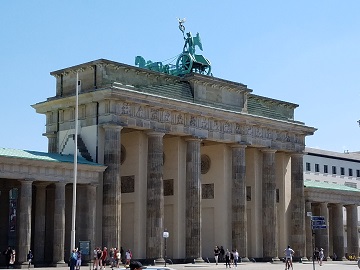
(166, 116)
(192, 121)
(139, 112)
(179, 119)
(154, 114)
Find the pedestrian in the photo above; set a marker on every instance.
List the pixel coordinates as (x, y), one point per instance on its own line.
(104, 257)
(321, 256)
(7, 254)
(73, 259)
(227, 258)
(216, 254)
(222, 254)
(29, 257)
(128, 257)
(289, 252)
(236, 257)
(78, 260)
(99, 255)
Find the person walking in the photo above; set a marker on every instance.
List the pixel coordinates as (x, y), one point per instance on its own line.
(321, 256)
(29, 257)
(73, 259)
(289, 252)
(227, 258)
(216, 254)
(222, 254)
(236, 257)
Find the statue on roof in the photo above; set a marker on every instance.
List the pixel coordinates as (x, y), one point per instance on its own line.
(186, 62)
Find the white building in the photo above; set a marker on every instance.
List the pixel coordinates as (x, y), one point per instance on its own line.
(332, 172)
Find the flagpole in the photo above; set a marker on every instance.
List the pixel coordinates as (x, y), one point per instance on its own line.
(73, 232)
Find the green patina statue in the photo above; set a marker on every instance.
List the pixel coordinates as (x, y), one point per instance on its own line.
(186, 62)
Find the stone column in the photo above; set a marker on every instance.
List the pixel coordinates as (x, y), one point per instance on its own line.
(39, 236)
(155, 197)
(24, 221)
(309, 236)
(4, 217)
(338, 231)
(52, 144)
(324, 233)
(90, 215)
(112, 187)
(269, 223)
(239, 216)
(352, 229)
(297, 223)
(193, 201)
(59, 224)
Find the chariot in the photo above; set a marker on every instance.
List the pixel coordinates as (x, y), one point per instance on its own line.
(186, 62)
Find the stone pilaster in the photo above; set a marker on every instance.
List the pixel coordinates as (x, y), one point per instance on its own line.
(309, 236)
(39, 235)
(239, 216)
(193, 200)
(324, 233)
(112, 187)
(352, 229)
(155, 197)
(338, 231)
(90, 215)
(269, 223)
(52, 144)
(297, 223)
(4, 217)
(59, 224)
(24, 221)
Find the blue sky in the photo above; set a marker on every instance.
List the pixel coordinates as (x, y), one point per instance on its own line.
(304, 52)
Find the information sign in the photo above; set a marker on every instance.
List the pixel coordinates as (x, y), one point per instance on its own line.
(317, 218)
(84, 247)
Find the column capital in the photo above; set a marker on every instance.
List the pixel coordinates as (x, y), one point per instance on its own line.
(112, 126)
(61, 183)
(52, 134)
(238, 145)
(188, 139)
(26, 181)
(41, 184)
(152, 133)
(268, 150)
(297, 154)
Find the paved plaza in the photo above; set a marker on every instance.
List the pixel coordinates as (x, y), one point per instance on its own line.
(345, 265)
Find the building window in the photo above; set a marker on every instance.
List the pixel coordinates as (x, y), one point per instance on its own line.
(350, 172)
(248, 193)
(333, 169)
(308, 169)
(357, 173)
(317, 168)
(326, 169)
(342, 170)
(277, 195)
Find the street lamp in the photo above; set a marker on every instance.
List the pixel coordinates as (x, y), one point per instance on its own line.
(166, 236)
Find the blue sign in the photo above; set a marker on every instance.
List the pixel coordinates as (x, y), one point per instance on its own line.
(316, 227)
(318, 222)
(317, 218)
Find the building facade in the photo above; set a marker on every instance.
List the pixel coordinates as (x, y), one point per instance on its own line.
(200, 157)
(332, 190)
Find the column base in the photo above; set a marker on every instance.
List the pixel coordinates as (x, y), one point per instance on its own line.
(23, 265)
(304, 259)
(159, 261)
(59, 264)
(245, 259)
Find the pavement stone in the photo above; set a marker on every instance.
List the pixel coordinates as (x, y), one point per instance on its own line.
(338, 265)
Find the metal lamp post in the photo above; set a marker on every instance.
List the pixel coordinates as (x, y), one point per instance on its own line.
(166, 236)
